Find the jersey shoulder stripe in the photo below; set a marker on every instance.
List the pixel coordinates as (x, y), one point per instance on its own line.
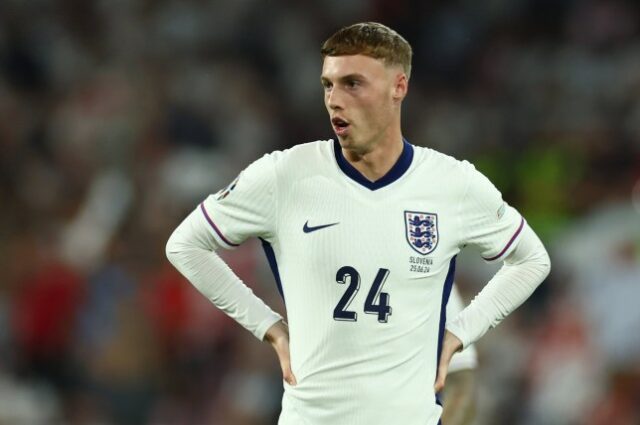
(215, 228)
(508, 245)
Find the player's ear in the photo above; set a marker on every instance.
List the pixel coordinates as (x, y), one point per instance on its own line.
(400, 86)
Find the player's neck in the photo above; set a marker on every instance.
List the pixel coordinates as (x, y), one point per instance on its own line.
(377, 162)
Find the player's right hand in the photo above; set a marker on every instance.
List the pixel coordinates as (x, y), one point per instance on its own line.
(278, 337)
(450, 345)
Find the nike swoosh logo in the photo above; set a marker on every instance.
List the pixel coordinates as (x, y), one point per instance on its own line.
(308, 229)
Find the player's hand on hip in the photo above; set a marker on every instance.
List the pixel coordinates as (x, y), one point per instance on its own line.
(450, 345)
(278, 337)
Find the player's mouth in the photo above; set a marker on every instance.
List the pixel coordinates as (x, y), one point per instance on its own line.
(340, 126)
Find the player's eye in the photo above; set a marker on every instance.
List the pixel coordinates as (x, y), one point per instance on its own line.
(327, 85)
(353, 84)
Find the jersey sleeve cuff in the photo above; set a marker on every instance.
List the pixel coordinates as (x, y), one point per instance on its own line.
(264, 326)
(459, 333)
(468, 326)
(464, 360)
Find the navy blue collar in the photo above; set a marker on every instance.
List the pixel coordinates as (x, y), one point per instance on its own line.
(399, 168)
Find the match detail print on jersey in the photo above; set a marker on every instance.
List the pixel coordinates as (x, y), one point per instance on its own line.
(308, 229)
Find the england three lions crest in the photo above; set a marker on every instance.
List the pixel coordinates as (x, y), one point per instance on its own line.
(421, 230)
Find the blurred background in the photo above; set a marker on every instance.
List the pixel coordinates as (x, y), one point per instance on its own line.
(117, 117)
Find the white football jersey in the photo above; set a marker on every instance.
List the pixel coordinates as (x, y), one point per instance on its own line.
(365, 269)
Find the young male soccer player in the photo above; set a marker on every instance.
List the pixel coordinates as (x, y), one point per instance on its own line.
(362, 233)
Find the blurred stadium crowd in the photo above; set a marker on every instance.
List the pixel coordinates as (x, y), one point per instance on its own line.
(117, 117)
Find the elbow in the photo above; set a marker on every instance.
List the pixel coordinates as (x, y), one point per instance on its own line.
(186, 240)
(172, 248)
(181, 245)
(544, 264)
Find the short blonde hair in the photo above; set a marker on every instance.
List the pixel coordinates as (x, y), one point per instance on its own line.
(370, 39)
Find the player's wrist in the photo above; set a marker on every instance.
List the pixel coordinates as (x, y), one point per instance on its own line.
(277, 333)
(451, 342)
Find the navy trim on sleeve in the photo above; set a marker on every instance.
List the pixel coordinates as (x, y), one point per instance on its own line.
(206, 215)
(513, 238)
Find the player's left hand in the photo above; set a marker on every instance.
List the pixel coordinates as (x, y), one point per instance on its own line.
(450, 346)
(278, 336)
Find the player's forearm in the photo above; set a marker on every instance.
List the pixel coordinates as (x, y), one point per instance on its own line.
(524, 269)
(191, 249)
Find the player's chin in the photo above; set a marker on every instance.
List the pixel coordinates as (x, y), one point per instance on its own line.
(346, 140)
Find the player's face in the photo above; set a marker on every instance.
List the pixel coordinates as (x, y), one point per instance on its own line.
(362, 96)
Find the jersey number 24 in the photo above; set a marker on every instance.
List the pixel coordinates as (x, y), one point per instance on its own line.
(377, 302)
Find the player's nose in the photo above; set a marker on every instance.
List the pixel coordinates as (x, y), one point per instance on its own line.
(334, 99)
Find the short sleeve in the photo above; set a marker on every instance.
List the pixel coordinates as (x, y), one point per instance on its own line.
(487, 221)
(246, 207)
